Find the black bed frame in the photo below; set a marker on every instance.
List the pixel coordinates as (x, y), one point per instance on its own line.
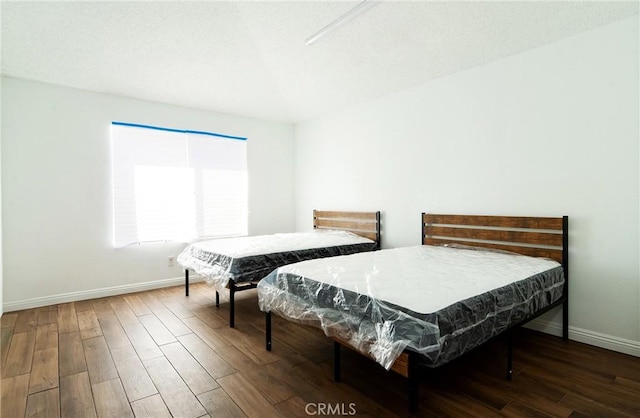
(233, 288)
(539, 237)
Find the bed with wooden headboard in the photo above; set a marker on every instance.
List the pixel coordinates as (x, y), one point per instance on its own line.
(473, 278)
(239, 263)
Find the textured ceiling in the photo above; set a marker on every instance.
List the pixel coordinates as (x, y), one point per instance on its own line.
(250, 58)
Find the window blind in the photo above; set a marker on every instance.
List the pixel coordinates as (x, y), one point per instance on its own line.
(178, 185)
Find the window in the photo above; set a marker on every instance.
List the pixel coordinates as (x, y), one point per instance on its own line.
(171, 184)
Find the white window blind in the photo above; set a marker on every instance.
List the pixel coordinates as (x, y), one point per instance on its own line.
(171, 184)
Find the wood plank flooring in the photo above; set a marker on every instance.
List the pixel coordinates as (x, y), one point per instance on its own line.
(161, 354)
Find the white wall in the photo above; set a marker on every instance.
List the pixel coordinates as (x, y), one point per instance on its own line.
(552, 131)
(56, 192)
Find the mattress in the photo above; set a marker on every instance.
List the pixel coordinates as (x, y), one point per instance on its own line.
(246, 259)
(438, 301)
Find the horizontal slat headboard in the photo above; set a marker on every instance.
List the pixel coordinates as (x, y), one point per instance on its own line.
(533, 236)
(365, 224)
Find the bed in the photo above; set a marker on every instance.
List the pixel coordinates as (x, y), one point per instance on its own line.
(240, 263)
(473, 278)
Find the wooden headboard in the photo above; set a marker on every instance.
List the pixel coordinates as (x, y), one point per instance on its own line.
(533, 236)
(365, 224)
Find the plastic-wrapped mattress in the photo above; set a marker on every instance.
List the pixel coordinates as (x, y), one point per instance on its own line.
(438, 301)
(246, 259)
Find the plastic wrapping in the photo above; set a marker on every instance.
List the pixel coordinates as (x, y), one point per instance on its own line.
(440, 302)
(245, 259)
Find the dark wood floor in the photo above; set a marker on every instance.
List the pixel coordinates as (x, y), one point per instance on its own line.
(160, 354)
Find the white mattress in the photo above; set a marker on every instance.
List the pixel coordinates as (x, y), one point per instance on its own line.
(423, 279)
(276, 243)
(246, 259)
(437, 301)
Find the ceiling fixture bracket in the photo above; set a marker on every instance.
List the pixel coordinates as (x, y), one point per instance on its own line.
(362, 7)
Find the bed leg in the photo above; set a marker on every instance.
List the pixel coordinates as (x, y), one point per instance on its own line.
(565, 319)
(217, 299)
(268, 330)
(186, 282)
(232, 305)
(565, 265)
(509, 356)
(413, 381)
(336, 361)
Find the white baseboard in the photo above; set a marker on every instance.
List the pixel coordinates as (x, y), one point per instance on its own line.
(95, 293)
(621, 345)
